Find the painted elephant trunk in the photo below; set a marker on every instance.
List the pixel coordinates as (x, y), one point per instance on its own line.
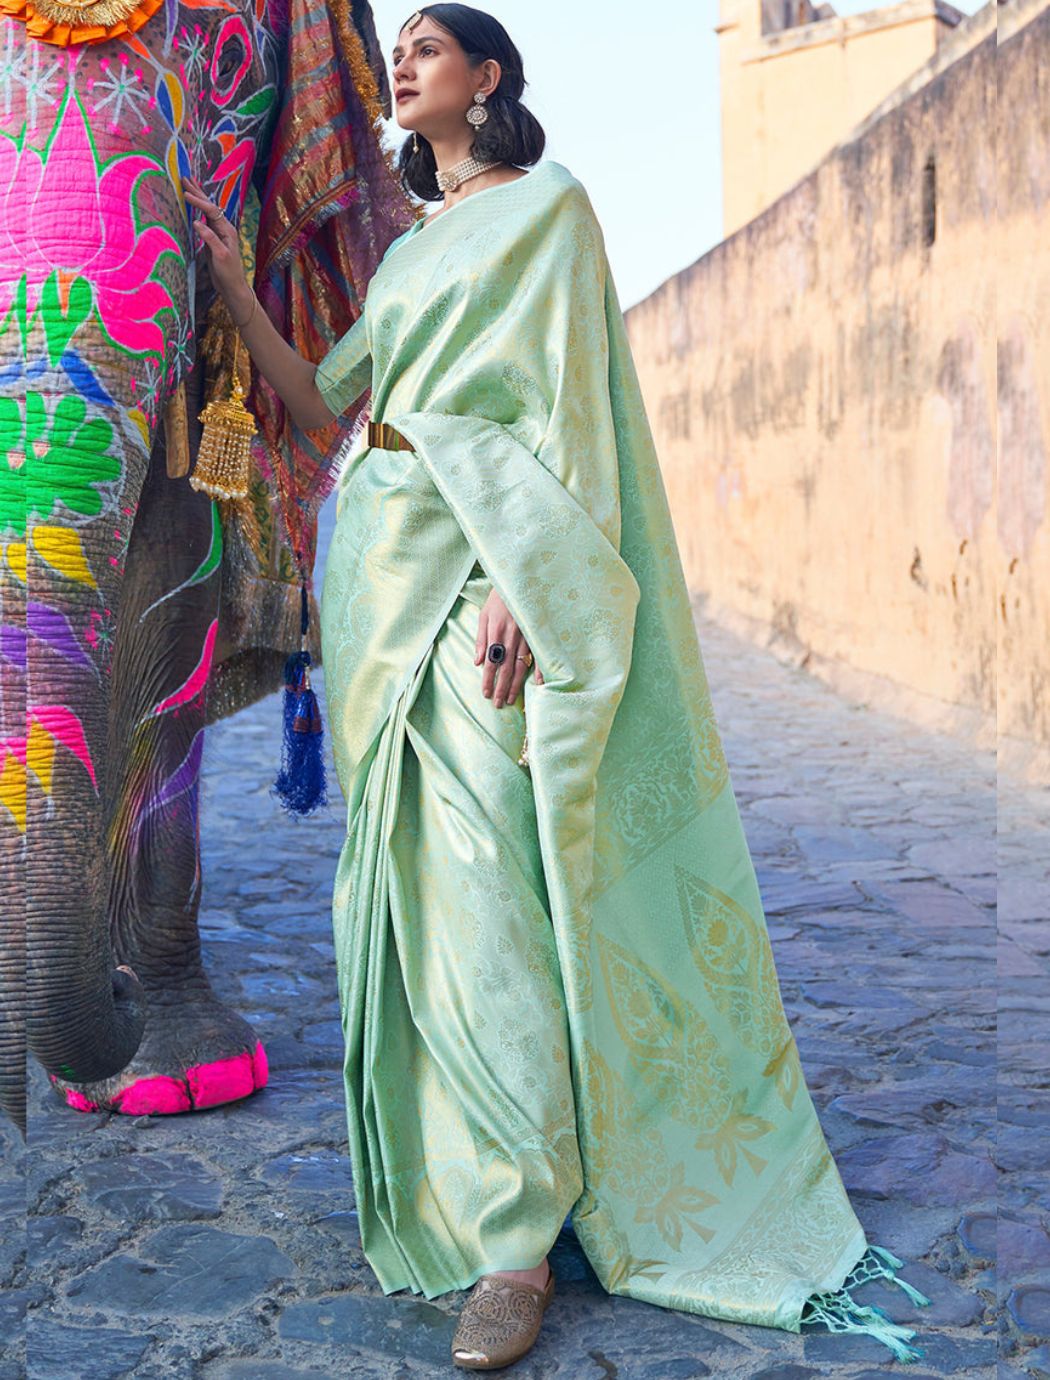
(84, 1026)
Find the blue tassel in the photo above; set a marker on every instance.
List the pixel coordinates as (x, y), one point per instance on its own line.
(839, 1312)
(301, 786)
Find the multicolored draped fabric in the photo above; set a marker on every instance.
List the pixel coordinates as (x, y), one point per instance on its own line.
(557, 989)
(331, 207)
(331, 204)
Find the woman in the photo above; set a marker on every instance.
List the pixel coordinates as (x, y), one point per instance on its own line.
(557, 990)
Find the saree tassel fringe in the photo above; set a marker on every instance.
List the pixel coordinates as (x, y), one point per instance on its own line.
(301, 786)
(841, 1313)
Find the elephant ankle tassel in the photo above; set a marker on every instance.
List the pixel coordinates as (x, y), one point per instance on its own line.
(300, 784)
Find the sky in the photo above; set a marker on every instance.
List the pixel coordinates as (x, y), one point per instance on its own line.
(631, 108)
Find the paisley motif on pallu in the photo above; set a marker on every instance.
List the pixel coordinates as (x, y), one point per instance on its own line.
(492, 339)
(732, 952)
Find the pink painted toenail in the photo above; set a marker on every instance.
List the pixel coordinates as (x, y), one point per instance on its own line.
(164, 1095)
(260, 1066)
(225, 1080)
(79, 1102)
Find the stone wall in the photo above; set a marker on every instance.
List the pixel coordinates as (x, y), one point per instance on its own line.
(794, 80)
(822, 387)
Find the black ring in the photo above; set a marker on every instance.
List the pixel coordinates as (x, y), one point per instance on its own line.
(497, 651)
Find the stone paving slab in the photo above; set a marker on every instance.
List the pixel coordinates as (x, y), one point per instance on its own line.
(224, 1246)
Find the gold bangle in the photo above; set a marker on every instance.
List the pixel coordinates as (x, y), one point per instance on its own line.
(255, 301)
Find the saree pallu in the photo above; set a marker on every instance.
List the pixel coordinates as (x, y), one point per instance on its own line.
(557, 989)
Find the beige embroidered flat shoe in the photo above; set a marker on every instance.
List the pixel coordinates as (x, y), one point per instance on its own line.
(499, 1321)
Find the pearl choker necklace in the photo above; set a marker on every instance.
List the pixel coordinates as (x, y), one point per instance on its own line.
(460, 172)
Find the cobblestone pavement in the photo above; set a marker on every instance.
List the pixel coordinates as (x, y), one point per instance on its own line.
(225, 1244)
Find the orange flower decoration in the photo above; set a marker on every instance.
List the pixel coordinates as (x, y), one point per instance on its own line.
(64, 25)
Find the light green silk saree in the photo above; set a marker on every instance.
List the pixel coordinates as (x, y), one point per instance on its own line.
(557, 989)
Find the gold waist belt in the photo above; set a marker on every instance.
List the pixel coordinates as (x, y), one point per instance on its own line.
(386, 438)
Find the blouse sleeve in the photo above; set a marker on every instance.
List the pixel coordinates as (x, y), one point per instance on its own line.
(346, 370)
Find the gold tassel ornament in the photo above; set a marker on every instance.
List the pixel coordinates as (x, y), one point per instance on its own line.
(223, 468)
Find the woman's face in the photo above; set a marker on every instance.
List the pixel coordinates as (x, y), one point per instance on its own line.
(433, 83)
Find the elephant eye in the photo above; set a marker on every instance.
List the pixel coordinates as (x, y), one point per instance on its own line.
(231, 57)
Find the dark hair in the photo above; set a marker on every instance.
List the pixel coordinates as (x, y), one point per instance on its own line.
(511, 134)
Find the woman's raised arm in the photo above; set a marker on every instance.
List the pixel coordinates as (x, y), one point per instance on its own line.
(290, 375)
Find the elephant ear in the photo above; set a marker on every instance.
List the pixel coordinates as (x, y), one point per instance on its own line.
(331, 204)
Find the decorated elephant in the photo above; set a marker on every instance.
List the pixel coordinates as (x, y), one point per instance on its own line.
(136, 609)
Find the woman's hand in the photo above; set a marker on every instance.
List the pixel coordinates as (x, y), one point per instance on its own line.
(220, 235)
(496, 625)
(291, 376)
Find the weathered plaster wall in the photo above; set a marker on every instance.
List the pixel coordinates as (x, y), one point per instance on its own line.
(790, 92)
(823, 387)
(1022, 520)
